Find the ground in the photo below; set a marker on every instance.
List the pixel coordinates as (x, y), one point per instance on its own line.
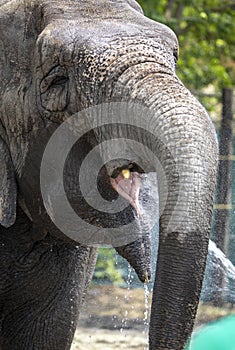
(116, 318)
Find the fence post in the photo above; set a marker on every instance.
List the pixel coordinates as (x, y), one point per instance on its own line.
(224, 181)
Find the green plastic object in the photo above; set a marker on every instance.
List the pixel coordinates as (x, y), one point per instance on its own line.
(218, 335)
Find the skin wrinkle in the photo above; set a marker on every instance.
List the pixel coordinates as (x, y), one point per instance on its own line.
(103, 69)
(52, 295)
(174, 131)
(159, 104)
(125, 56)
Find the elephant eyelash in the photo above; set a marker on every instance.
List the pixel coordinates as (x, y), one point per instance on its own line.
(48, 83)
(59, 81)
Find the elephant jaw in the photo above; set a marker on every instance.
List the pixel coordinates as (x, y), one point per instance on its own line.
(127, 184)
(137, 253)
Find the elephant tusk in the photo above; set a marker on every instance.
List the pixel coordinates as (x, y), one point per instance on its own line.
(126, 173)
(127, 184)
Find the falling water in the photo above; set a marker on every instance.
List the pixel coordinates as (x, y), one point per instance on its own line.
(115, 318)
(218, 267)
(127, 300)
(146, 313)
(219, 258)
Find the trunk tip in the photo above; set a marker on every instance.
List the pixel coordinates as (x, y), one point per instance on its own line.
(146, 277)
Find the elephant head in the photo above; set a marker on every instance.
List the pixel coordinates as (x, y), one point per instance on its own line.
(62, 58)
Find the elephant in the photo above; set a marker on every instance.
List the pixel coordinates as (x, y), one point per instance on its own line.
(64, 58)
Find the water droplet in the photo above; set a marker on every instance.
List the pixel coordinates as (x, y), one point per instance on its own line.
(146, 312)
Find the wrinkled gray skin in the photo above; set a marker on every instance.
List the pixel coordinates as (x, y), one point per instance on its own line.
(56, 58)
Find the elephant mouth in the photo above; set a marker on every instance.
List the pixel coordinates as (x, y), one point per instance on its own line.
(127, 184)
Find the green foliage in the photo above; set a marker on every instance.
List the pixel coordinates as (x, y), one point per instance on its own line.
(106, 271)
(206, 33)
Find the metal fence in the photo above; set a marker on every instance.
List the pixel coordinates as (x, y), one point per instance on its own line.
(223, 229)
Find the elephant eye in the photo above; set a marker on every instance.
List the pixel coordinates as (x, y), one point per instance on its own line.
(54, 90)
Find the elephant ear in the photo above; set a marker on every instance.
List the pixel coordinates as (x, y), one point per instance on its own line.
(8, 190)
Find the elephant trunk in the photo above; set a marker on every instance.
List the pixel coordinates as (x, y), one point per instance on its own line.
(186, 148)
(184, 227)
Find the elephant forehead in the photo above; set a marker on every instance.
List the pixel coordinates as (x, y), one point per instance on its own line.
(102, 19)
(65, 42)
(86, 8)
